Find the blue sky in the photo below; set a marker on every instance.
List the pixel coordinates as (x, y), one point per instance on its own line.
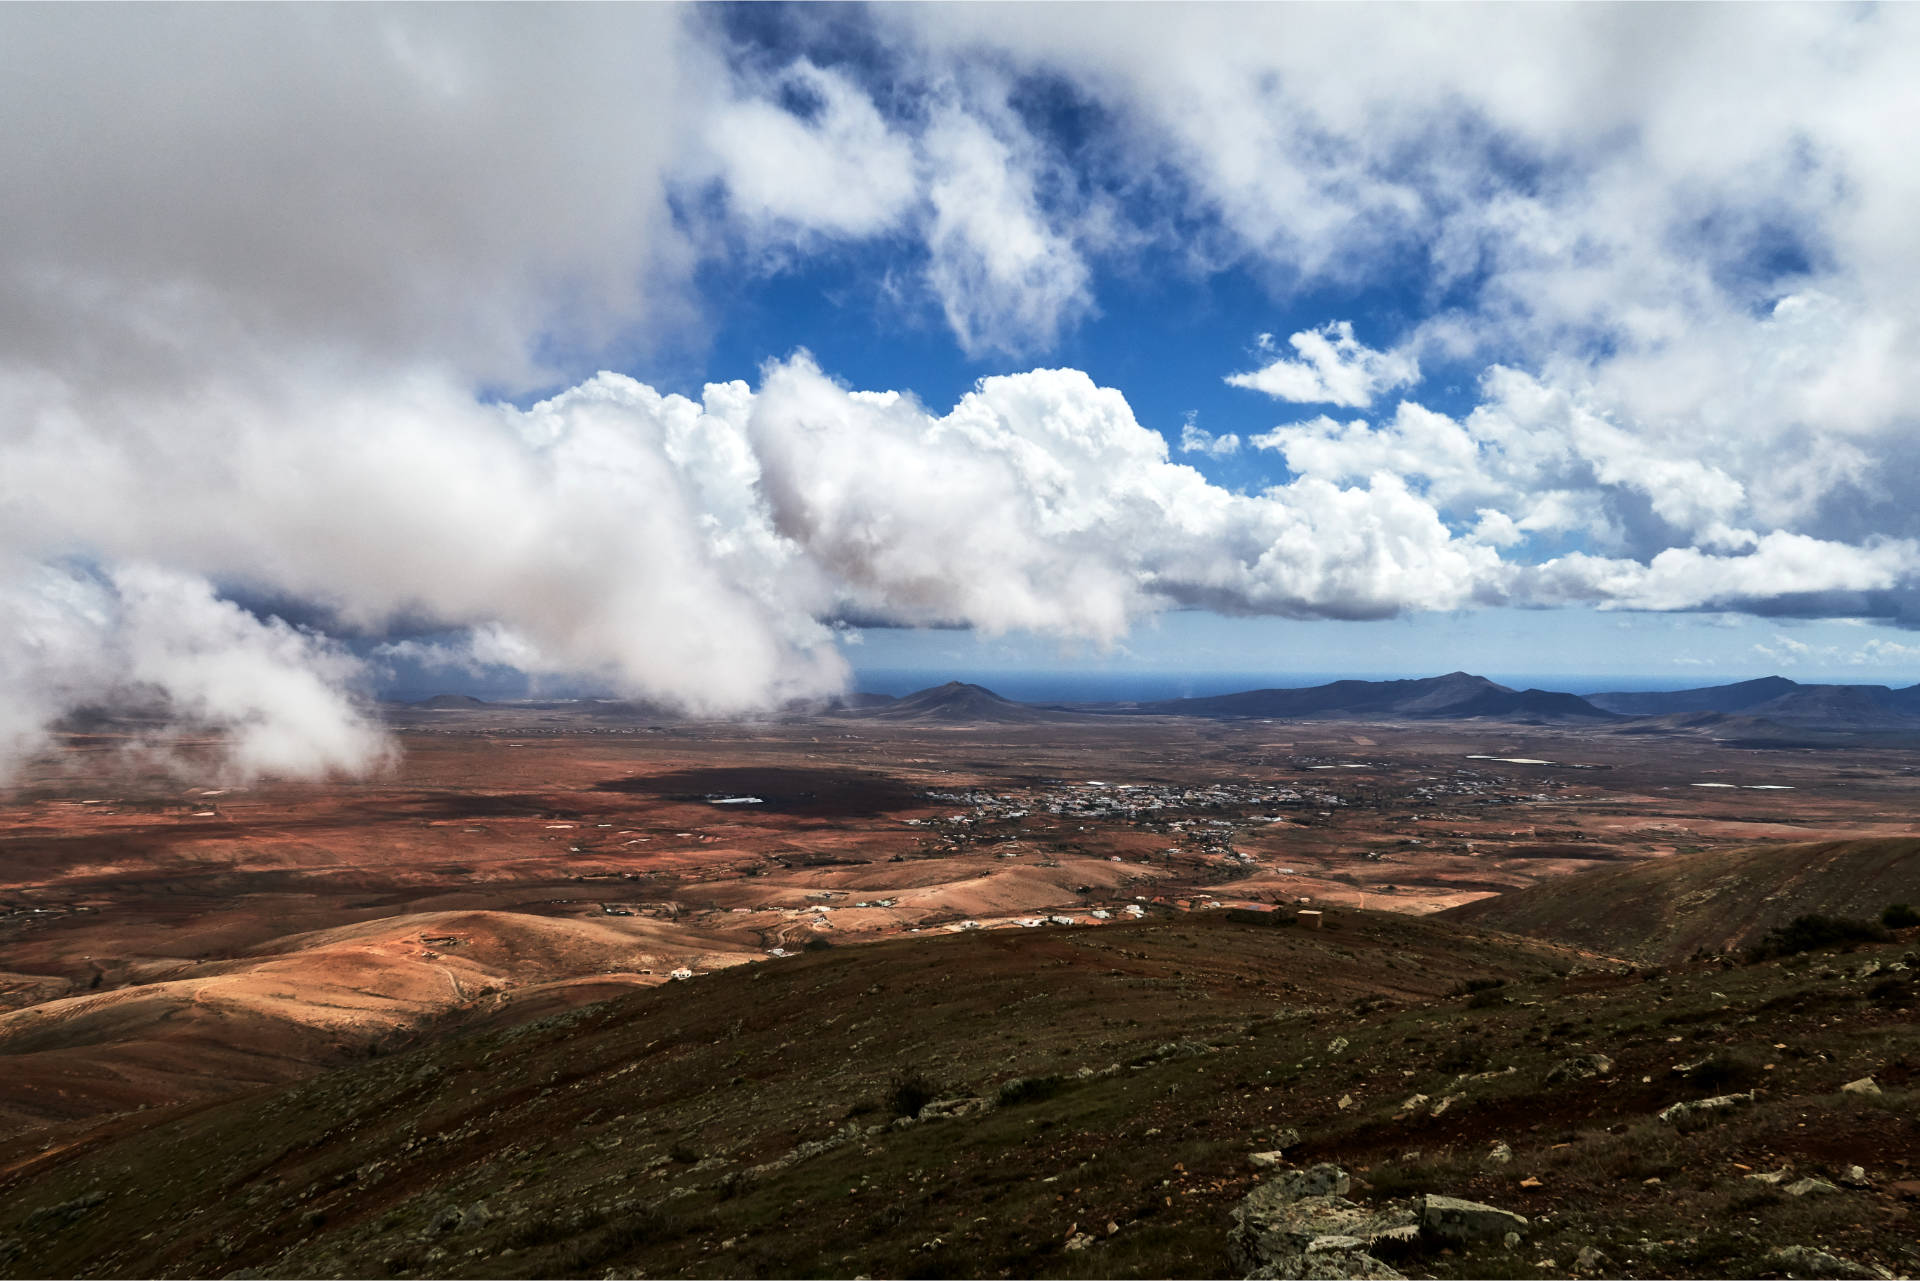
(716, 355)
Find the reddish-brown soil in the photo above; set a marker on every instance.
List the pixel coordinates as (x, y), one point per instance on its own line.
(161, 943)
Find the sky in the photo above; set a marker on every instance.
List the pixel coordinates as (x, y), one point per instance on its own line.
(723, 356)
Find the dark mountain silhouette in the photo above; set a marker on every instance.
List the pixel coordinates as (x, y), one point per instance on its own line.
(451, 702)
(1455, 695)
(1713, 698)
(1782, 702)
(957, 702)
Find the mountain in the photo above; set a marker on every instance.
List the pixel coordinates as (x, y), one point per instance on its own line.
(1782, 701)
(451, 702)
(1667, 909)
(958, 703)
(1457, 695)
(1713, 698)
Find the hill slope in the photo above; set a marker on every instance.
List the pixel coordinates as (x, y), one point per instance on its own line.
(1720, 900)
(1096, 1094)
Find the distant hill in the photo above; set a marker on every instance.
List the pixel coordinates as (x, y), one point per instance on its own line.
(451, 702)
(1781, 701)
(1666, 909)
(1713, 698)
(1457, 695)
(957, 702)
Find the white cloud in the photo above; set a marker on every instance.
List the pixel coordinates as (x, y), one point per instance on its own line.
(1779, 565)
(845, 171)
(1007, 279)
(1334, 368)
(259, 260)
(282, 699)
(1195, 440)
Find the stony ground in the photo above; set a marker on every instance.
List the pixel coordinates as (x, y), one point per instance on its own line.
(1060, 1102)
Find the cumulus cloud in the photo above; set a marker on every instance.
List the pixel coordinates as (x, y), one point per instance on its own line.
(1334, 368)
(267, 272)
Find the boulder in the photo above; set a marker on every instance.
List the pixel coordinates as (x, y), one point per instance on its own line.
(1865, 1085)
(1581, 1067)
(1589, 1260)
(1811, 1187)
(1300, 1226)
(1691, 1114)
(1315, 1180)
(1806, 1262)
(1452, 1219)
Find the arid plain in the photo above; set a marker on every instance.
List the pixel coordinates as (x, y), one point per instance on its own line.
(163, 943)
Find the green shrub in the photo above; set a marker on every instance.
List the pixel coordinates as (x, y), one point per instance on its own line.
(1812, 931)
(1029, 1089)
(910, 1092)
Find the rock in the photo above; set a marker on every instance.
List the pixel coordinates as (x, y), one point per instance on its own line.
(1452, 1219)
(1337, 1045)
(1414, 1106)
(1694, 1113)
(1811, 1187)
(1285, 1138)
(1346, 1101)
(1773, 1178)
(1298, 1225)
(1865, 1085)
(954, 1108)
(1316, 1180)
(1589, 1260)
(1581, 1067)
(1079, 1241)
(1440, 1108)
(1266, 1160)
(1499, 1154)
(1855, 1176)
(59, 1216)
(1806, 1262)
(1511, 1241)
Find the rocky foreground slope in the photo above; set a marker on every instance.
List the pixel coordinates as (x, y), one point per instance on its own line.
(1166, 1098)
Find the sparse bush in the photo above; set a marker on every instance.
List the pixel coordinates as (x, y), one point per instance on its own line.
(683, 1154)
(1892, 991)
(1724, 1071)
(1899, 916)
(910, 1092)
(815, 944)
(1811, 932)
